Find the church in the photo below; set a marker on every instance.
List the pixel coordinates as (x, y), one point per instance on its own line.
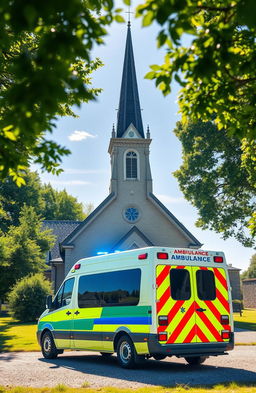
(131, 216)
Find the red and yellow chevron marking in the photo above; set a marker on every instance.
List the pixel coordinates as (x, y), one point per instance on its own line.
(185, 323)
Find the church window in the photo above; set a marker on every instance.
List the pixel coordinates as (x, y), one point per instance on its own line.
(131, 165)
(131, 214)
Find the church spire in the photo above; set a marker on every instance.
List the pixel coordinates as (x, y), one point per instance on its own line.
(129, 110)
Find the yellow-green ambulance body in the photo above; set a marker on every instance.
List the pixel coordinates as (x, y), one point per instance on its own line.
(146, 302)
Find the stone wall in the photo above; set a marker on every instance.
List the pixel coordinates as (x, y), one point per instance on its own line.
(249, 292)
(234, 278)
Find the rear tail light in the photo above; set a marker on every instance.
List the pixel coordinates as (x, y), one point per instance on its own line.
(163, 320)
(225, 334)
(162, 255)
(224, 319)
(162, 337)
(218, 259)
(77, 266)
(143, 256)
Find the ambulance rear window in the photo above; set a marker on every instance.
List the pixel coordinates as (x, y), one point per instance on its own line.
(205, 285)
(180, 284)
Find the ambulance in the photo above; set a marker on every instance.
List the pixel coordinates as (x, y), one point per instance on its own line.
(149, 302)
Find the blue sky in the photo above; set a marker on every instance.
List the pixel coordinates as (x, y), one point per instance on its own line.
(87, 170)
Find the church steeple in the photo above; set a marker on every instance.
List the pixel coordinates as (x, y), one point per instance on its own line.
(129, 110)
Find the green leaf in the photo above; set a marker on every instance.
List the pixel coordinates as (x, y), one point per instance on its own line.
(150, 75)
(148, 18)
(119, 19)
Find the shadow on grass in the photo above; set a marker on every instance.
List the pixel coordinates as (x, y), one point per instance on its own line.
(245, 325)
(4, 336)
(6, 323)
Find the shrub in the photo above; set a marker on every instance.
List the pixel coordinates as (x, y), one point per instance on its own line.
(27, 298)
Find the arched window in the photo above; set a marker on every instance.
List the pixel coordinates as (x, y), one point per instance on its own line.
(131, 165)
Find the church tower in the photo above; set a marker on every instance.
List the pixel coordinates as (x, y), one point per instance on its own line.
(131, 179)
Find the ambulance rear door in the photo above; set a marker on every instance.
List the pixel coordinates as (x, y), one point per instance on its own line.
(192, 304)
(211, 304)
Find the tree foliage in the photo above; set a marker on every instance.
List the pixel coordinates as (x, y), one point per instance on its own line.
(27, 298)
(59, 205)
(251, 271)
(216, 69)
(23, 249)
(211, 52)
(45, 69)
(47, 202)
(213, 178)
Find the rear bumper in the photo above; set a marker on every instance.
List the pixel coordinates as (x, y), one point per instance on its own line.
(191, 349)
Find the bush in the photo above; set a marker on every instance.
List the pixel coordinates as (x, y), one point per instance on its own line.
(27, 298)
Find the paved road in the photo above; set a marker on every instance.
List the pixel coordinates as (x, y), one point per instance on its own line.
(76, 368)
(245, 336)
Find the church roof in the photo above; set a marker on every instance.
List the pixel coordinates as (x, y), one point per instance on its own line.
(61, 229)
(193, 241)
(129, 110)
(88, 220)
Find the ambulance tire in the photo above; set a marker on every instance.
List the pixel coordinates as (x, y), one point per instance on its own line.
(126, 353)
(48, 346)
(195, 360)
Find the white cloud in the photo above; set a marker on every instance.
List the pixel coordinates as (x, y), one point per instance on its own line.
(70, 182)
(78, 136)
(168, 199)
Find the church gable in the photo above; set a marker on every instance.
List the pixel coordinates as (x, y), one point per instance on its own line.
(134, 238)
(131, 132)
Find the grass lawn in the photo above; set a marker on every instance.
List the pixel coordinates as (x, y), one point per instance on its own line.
(247, 321)
(231, 388)
(16, 336)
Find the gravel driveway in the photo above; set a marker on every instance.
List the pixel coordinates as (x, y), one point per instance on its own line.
(77, 368)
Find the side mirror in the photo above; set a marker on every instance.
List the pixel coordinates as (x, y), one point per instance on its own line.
(49, 304)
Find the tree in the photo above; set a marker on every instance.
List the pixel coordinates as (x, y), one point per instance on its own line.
(59, 205)
(23, 249)
(216, 69)
(47, 202)
(212, 177)
(13, 198)
(251, 271)
(45, 69)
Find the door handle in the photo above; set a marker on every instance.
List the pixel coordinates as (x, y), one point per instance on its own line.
(77, 312)
(200, 309)
(68, 312)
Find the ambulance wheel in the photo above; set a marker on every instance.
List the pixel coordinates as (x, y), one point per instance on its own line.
(126, 353)
(106, 355)
(49, 349)
(195, 360)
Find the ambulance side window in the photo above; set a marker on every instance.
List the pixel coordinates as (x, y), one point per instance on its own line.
(109, 289)
(205, 285)
(63, 297)
(180, 284)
